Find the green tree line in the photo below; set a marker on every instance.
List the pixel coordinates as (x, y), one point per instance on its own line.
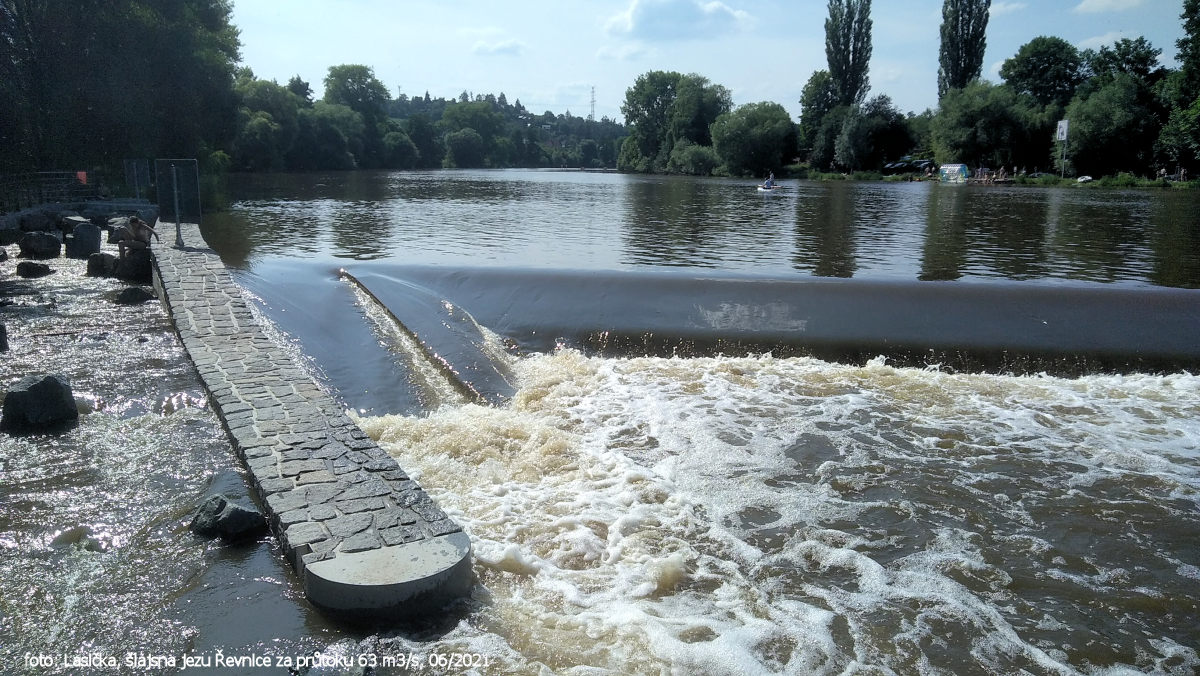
(357, 124)
(1128, 113)
(85, 83)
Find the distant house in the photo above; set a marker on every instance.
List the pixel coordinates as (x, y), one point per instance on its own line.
(953, 173)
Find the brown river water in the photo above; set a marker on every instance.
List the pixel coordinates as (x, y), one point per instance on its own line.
(711, 499)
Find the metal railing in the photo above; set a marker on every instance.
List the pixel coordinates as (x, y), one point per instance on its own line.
(21, 191)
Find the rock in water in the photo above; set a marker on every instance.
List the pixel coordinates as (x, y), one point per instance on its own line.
(30, 270)
(3, 338)
(135, 267)
(101, 265)
(39, 245)
(220, 516)
(134, 295)
(38, 403)
(84, 241)
(68, 221)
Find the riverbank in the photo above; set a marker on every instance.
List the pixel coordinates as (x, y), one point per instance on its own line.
(1122, 180)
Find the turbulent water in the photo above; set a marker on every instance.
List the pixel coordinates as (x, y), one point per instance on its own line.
(753, 515)
(636, 514)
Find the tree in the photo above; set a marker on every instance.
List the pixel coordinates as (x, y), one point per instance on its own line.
(1112, 129)
(816, 100)
(301, 89)
(464, 149)
(964, 28)
(871, 134)
(1137, 58)
(94, 84)
(693, 159)
(646, 110)
(1047, 68)
(848, 49)
(1189, 49)
(356, 87)
(825, 140)
(423, 135)
(755, 138)
(1179, 141)
(986, 124)
(663, 108)
(698, 103)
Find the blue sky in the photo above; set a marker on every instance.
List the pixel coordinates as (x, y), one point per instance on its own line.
(551, 54)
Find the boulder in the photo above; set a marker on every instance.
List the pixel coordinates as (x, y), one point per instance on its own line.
(37, 221)
(39, 245)
(68, 223)
(3, 255)
(115, 226)
(31, 270)
(135, 267)
(84, 242)
(3, 338)
(134, 295)
(10, 236)
(220, 516)
(39, 403)
(101, 265)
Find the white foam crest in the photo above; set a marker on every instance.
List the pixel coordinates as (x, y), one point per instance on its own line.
(654, 515)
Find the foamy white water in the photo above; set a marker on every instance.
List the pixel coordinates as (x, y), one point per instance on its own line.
(762, 515)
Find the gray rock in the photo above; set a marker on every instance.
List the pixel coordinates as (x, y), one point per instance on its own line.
(134, 295)
(135, 267)
(3, 255)
(10, 236)
(30, 270)
(39, 403)
(115, 227)
(68, 223)
(220, 517)
(84, 241)
(40, 245)
(3, 338)
(101, 265)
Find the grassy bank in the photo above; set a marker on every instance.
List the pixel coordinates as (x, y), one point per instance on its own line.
(1122, 180)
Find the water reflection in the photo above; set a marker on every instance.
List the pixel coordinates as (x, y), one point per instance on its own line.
(944, 251)
(674, 222)
(576, 220)
(1175, 237)
(825, 231)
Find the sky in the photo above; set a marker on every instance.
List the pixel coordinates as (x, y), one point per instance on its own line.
(552, 55)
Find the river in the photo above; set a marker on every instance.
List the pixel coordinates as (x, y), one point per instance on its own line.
(657, 474)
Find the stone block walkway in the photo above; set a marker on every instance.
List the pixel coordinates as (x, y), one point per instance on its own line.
(365, 539)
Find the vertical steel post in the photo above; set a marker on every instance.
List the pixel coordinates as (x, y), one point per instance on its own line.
(175, 188)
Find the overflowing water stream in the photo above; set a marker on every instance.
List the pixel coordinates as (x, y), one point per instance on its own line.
(633, 510)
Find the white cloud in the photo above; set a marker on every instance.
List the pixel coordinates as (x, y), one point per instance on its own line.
(999, 8)
(654, 20)
(502, 48)
(1096, 6)
(1101, 40)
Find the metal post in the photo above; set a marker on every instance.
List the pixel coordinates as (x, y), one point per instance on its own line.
(175, 188)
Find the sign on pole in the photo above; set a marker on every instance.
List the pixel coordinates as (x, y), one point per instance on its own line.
(1062, 129)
